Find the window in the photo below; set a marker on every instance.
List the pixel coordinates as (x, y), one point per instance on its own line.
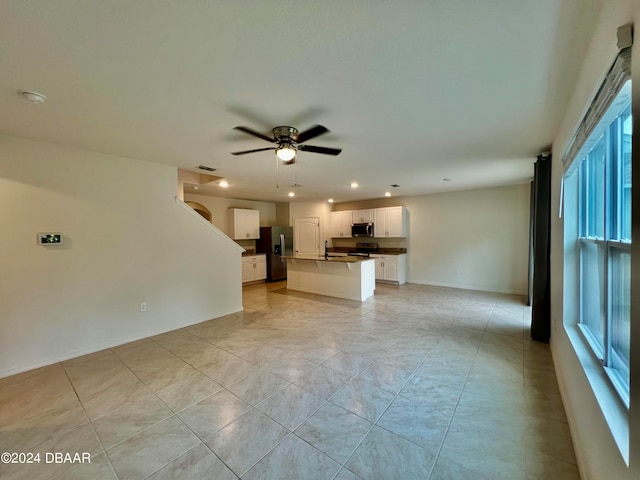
(603, 167)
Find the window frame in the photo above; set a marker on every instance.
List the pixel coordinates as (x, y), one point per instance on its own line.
(608, 218)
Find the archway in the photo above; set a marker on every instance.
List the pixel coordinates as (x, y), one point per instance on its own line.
(201, 209)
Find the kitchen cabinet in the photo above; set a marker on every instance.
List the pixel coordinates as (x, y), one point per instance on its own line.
(341, 224)
(244, 224)
(391, 268)
(362, 216)
(254, 268)
(390, 222)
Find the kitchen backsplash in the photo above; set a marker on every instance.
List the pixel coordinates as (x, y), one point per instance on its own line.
(247, 244)
(382, 242)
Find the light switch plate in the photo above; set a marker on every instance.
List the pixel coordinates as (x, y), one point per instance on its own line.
(54, 238)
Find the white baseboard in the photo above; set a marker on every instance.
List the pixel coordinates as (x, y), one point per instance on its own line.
(467, 287)
(7, 372)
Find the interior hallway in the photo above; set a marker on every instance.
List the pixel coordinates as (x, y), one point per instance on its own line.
(417, 382)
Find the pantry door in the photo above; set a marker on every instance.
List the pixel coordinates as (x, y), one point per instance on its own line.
(306, 237)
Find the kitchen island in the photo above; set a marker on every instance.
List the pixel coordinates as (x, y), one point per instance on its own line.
(352, 278)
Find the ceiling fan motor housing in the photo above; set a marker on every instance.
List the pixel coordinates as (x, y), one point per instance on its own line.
(285, 133)
(288, 141)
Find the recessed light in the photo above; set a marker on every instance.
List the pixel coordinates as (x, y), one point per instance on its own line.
(291, 194)
(195, 188)
(224, 184)
(387, 194)
(330, 200)
(354, 185)
(446, 179)
(33, 97)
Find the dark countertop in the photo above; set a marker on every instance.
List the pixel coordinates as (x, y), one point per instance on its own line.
(251, 253)
(379, 251)
(332, 259)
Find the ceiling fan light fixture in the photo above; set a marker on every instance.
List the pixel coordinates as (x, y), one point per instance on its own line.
(286, 152)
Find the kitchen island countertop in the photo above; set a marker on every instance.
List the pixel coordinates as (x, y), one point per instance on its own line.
(332, 259)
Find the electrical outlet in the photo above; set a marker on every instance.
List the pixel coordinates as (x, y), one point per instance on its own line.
(143, 307)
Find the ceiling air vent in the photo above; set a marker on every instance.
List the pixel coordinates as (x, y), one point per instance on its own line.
(395, 185)
(208, 169)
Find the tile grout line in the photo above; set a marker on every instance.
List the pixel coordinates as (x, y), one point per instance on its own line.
(375, 423)
(253, 407)
(93, 429)
(174, 414)
(373, 331)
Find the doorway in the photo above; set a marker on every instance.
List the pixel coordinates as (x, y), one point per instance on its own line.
(201, 209)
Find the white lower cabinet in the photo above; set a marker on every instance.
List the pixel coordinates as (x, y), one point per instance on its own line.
(391, 268)
(254, 268)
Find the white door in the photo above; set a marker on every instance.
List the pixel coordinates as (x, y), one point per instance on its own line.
(306, 235)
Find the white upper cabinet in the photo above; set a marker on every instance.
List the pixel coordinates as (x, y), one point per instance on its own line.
(390, 222)
(362, 216)
(341, 224)
(244, 224)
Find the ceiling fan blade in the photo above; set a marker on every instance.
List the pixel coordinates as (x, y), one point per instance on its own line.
(255, 134)
(311, 133)
(325, 150)
(244, 152)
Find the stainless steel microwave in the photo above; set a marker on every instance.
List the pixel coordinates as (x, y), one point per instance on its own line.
(362, 229)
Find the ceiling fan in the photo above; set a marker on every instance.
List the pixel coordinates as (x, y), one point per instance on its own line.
(288, 141)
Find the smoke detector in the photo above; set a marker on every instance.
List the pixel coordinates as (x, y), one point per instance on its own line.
(33, 97)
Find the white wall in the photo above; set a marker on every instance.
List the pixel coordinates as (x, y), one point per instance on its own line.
(473, 239)
(126, 241)
(596, 450)
(219, 209)
(282, 215)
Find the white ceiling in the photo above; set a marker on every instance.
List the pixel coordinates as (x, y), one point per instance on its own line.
(412, 91)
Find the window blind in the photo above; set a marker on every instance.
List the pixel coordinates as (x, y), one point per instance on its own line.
(599, 114)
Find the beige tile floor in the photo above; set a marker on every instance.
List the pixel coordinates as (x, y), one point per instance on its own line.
(417, 382)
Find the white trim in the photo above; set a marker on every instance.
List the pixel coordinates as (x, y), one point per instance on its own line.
(104, 346)
(609, 402)
(209, 225)
(468, 287)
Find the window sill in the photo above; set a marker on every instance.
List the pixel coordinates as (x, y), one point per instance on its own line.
(614, 411)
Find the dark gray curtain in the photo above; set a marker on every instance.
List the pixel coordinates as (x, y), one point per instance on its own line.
(532, 204)
(541, 221)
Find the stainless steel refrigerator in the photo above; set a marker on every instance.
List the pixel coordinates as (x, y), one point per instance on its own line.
(276, 242)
